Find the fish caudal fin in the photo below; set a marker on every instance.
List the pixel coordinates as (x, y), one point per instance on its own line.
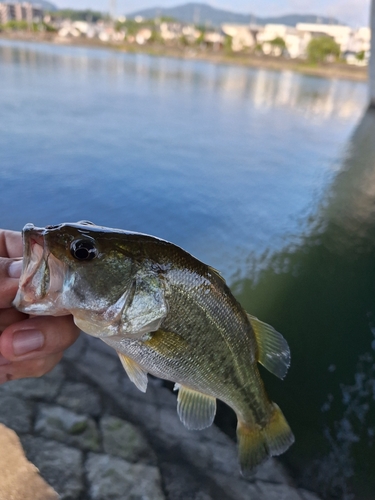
(257, 444)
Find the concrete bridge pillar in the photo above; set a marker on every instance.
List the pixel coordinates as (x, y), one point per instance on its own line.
(372, 60)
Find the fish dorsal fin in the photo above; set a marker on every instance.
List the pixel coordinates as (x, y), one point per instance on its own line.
(216, 273)
(196, 410)
(135, 372)
(273, 349)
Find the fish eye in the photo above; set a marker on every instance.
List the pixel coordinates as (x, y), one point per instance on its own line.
(83, 250)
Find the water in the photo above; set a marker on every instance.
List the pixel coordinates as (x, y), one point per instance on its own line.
(267, 176)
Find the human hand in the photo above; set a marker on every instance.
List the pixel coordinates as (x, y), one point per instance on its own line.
(29, 346)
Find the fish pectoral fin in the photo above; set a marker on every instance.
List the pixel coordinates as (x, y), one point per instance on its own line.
(146, 307)
(195, 409)
(273, 349)
(135, 372)
(167, 343)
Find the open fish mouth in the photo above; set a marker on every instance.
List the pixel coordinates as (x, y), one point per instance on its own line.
(42, 277)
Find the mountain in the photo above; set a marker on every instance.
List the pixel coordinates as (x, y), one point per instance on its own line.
(200, 13)
(45, 5)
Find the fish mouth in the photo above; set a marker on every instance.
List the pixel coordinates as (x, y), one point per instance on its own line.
(42, 277)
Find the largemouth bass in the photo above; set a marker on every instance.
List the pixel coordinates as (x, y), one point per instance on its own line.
(167, 314)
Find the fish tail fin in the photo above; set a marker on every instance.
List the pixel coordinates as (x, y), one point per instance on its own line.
(252, 447)
(256, 444)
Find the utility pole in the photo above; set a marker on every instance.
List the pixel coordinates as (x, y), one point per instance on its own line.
(112, 9)
(372, 57)
(197, 15)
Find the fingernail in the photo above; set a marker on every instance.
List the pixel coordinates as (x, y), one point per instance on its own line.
(15, 269)
(4, 361)
(27, 341)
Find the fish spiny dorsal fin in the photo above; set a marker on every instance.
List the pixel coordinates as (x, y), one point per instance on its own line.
(273, 349)
(135, 372)
(216, 273)
(196, 410)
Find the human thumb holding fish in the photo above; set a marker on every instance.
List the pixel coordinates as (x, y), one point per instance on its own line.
(29, 346)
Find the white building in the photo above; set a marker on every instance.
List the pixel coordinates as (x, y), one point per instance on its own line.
(351, 41)
(243, 36)
(296, 41)
(248, 36)
(170, 31)
(143, 36)
(341, 34)
(361, 40)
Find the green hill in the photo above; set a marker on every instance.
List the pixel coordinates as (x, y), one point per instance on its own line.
(200, 13)
(45, 5)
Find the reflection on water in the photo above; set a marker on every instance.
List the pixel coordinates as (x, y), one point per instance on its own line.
(314, 97)
(236, 156)
(252, 171)
(321, 295)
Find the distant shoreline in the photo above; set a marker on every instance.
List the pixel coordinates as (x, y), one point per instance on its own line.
(332, 70)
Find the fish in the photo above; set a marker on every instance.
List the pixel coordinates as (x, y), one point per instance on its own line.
(167, 314)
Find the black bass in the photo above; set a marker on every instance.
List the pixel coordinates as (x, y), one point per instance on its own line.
(167, 314)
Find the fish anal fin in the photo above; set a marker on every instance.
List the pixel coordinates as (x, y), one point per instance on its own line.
(195, 409)
(273, 349)
(256, 444)
(135, 372)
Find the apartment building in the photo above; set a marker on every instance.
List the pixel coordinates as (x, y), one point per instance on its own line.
(20, 12)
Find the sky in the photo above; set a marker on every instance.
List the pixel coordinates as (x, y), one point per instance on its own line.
(352, 12)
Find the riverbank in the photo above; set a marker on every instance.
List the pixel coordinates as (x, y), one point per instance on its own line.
(328, 70)
(93, 435)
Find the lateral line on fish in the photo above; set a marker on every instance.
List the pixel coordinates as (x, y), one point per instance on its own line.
(222, 333)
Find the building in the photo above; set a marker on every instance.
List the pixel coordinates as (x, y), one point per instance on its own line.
(341, 34)
(20, 12)
(296, 41)
(361, 40)
(243, 36)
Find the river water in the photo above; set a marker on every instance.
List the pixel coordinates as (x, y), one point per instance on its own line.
(267, 176)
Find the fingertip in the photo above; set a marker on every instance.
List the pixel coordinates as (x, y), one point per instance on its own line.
(15, 269)
(27, 341)
(38, 336)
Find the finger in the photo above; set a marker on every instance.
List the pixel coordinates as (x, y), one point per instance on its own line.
(10, 316)
(38, 337)
(10, 244)
(28, 368)
(10, 271)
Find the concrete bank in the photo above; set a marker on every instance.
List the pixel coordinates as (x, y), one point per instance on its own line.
(328, 70)
(94, 436)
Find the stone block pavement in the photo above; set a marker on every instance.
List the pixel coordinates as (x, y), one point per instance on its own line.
(94, 436)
